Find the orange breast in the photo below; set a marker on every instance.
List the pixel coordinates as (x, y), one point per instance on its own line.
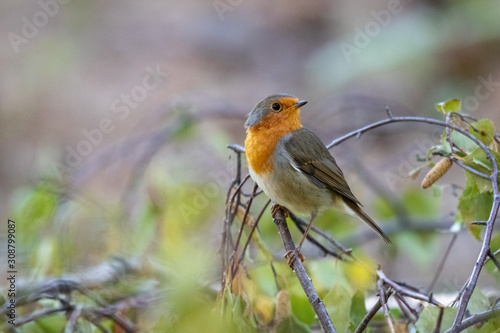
(262, 139)
(259, 151)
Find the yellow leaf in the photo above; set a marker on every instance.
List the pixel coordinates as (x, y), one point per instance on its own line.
(264, 309)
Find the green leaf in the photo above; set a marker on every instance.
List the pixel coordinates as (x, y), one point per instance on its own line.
(338, 305)
(460, 140)
(445, 146)
(484, 130)
(493, 325)
(419, 203)
(478, 302)
(36, 205)
(292, 325)
(301, 308)
(428, 319)
(480, 162)
(47, 324)
(358, 309)
(473, 204)
(326, 274)
(234, 312)
(453, 105)
(264, 279)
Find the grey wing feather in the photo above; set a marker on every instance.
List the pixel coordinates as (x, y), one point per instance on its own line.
(314, 160)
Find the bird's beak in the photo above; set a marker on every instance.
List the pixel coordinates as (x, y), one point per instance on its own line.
(300, 103)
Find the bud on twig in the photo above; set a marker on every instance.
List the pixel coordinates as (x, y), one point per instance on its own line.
(436, 172)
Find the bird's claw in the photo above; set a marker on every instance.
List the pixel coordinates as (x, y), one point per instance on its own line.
(275, 208)
(291, 256)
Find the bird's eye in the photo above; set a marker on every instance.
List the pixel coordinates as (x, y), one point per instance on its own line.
(276, 106)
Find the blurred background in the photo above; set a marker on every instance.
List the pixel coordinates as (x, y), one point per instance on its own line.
(115, 117)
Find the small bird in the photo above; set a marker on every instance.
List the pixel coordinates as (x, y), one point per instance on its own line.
(293, 167)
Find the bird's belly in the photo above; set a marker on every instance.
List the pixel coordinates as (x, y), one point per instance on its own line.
(293, 190)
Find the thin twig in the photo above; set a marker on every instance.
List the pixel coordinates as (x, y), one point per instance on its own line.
(410, 312)
(383, 301)
(252, 231)
(75, 314)
(492, 257)
(448, 131)
(38, 314)
(247, 211)
(439, 321)
(91, 318)
(369, 316)
(406, 291)
(236, 148)
(388, 111)
(477, 318)
(227, 241)
(300, 223)
(394, 201)
(125, 323)
(237, 191)
(442, 263)
(366, 235)
(468, 168)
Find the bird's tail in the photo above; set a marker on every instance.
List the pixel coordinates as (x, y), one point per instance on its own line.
(363, 216)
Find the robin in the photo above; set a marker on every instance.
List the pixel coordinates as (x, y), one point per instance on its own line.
(293, 167)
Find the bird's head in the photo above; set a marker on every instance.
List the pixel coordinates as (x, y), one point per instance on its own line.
(276, 110)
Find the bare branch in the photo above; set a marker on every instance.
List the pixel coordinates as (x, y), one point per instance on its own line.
(410, 312)
(383, 301)
(389, 112)
(401, 290)
(439, 320)
(468, 168)
(37, 314)
(369, 316)
(300, 223)
(236, 148)
(492, 257)
(305, 281)
(477, 318)
(247, 211)
(443, 262)
(252, 231)
(75, 314)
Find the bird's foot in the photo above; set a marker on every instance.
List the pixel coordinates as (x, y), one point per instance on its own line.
(291, 256)
(275, 208)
